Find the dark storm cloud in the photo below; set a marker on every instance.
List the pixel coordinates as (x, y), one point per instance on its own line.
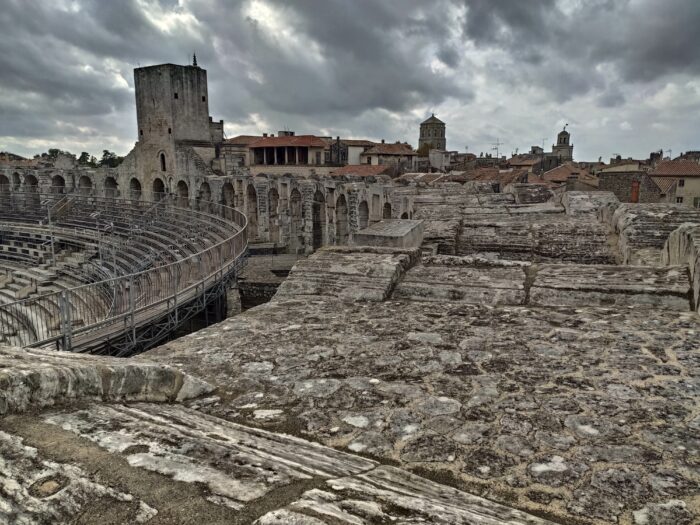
(362, 68)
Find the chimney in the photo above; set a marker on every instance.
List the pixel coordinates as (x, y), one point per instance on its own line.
(264, 135)
(382, 141)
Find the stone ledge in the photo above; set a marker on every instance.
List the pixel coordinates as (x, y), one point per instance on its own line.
(31, 378)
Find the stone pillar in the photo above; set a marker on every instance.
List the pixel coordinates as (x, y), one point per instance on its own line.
(286, 156)
(264, 155)
(233, 300)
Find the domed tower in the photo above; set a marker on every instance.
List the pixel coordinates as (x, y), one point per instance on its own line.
(432, 132)
(563, 150)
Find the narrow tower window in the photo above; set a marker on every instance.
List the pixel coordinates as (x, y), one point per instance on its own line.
(162, 162)
(175, 95)
(204, 99)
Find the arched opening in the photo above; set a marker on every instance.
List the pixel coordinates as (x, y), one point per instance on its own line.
(341, 220)
(183, 194)
(252, 211)
(84, 185)
(162, 162)
(228, 197)
(4, 188)
(318, 212)
(158, 189)
(204, 197)
(273, 199)
(134, 189)
(58, 184)
(15, 181)
(404, 215)
(363, 213)
(31, 187)
(386, 211)
(111, 187)
(295, 217)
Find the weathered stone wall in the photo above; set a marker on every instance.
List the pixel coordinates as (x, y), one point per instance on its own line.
(621, 185)
(683, 247)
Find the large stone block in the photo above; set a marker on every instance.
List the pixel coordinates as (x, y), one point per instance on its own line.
(398, 233)
(31, 378)
(362, 273)
(683, 247)
(622, 286)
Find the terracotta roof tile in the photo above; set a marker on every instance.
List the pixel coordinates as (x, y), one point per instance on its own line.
(360, 170)
(665, 183)
(390, 149)
(677, 168)
(242, 140)
(358, 142)
(308, 141)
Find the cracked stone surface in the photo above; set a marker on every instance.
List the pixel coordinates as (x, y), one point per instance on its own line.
(585, 414)
(31, 378)
(155, 463)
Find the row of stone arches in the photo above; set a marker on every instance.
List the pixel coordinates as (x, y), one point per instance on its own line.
(323, 215)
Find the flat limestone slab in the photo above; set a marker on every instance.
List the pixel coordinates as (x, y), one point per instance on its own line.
(351, 273)
(393, 233)
(388, 495)
(586, 414)
(464, 279)
(32, 378)
(196, 468)
(665, 288)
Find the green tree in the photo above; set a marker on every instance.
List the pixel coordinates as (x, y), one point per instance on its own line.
(110, 159)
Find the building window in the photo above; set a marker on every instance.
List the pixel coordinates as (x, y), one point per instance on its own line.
(141, 132)
(696, 202)
(175, 95)
(204, 99)
(162, 162)
(679, 200)
(681, 183)
(369, 160)
(170, 131)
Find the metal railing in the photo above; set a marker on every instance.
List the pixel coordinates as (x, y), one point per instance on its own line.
(160, 256)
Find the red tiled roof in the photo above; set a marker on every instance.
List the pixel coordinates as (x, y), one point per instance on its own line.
(523, 161)
(390, 149)
(565, 171)
(494, 174)
(358, 142)
(360, 170)
(665, 183)
(677, 168)
(307, 141)
(242, 140)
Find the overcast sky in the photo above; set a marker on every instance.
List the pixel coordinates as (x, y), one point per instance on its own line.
(625, 75)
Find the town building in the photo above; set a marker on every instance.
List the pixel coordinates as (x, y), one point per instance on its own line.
(678, 181)
(400, 155)
(432, 134)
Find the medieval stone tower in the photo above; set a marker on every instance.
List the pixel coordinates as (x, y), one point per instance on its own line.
(563, 150)
(432, 132)
(172, 103)
(172, 112)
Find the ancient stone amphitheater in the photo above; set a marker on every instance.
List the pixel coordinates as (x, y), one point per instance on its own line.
(533, 360)
(86, 273)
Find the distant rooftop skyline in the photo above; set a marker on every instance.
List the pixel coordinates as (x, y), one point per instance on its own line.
(625, 75)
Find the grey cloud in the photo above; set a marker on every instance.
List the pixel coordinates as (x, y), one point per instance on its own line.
(356, 67)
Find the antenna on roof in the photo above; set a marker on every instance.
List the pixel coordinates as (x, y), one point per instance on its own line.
(495, 147)
(565, 126)
(669, 153)
(194, 59)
